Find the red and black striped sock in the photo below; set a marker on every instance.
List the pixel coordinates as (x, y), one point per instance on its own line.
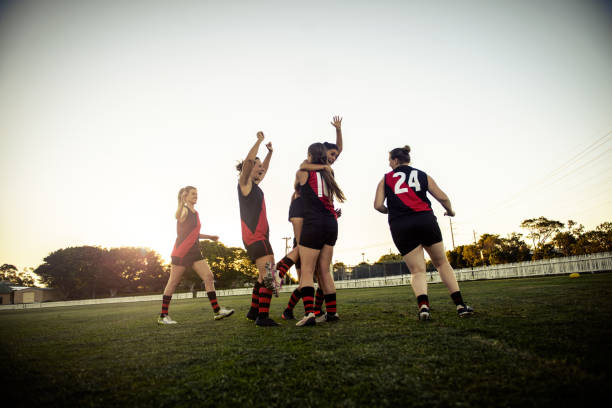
(255, 298)
(330, 303)
(165, 305)
(423, 300)
(212, 296)
(283, 266)
(295, 297)
(265, 297)
(319, 302)
(308, 298)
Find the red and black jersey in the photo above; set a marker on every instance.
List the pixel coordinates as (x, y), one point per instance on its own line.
(188, 234)
(316, 196)
(253, 216)
(406, 192)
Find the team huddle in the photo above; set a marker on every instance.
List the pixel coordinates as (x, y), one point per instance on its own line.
(413, 226)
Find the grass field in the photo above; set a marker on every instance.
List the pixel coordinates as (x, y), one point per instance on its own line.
(533, 343)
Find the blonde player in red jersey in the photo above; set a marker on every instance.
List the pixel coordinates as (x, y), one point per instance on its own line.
(186, 253)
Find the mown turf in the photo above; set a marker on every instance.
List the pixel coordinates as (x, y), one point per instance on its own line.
(533, 343)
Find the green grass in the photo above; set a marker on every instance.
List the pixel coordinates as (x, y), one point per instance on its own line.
(533, 343)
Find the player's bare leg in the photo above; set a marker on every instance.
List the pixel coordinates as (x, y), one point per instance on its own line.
(438, 258)
(415, 262)
(203, 270)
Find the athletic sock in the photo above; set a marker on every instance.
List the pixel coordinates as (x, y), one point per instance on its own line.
(295, 297)
(456, 296)
(265, 296)
(319, 302)
(308, 298)
(330, 303)
(165, 305)
(423, 300)
(283, 266)
(255, 299)
(212, 296)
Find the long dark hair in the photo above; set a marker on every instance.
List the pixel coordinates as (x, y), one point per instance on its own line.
(401, 153)
(318, 154)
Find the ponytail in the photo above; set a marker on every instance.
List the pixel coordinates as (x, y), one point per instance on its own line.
(181, 203)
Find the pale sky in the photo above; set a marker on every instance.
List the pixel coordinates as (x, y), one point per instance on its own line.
(108, 108)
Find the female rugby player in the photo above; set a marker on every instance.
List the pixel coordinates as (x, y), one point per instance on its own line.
(186, 253)
(256, 232)
(319, 233)
(414, 227)
(296, 218)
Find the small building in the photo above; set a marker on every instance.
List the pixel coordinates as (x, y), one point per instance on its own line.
(34, 295)
(6, 294)
(11, 294)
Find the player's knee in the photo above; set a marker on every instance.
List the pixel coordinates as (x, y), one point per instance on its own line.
(417, 271)
(439, 262)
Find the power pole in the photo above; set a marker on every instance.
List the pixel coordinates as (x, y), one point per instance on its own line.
(474, 236)
(452, 235)
(286, 244)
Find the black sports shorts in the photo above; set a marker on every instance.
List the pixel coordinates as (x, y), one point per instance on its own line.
(319, 232)
(258, 249)
(193, 255)
(296, 209)
(410, 231)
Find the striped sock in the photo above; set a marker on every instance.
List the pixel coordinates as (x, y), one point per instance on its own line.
(265, 296)
(423, 300)
(255, 299)
(330, 303)
(212, 296)
(319, 302)
(283, 266)
(165, 305)
(308, 298)
(295, 297)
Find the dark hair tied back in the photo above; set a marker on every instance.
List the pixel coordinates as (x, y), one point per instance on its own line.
(401, 153)
(330, 146)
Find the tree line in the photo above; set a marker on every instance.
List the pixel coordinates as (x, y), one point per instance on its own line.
(90, 271)
(548, 239)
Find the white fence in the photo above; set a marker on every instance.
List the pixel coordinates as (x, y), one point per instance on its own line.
(592, 263)
(601, 262)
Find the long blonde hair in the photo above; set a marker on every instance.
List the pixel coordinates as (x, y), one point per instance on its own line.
(181, 203)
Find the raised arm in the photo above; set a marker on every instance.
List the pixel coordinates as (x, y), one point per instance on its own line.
(266, 162)
(337, 123)
(379, 198)
(247, 165)
(439, 195)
